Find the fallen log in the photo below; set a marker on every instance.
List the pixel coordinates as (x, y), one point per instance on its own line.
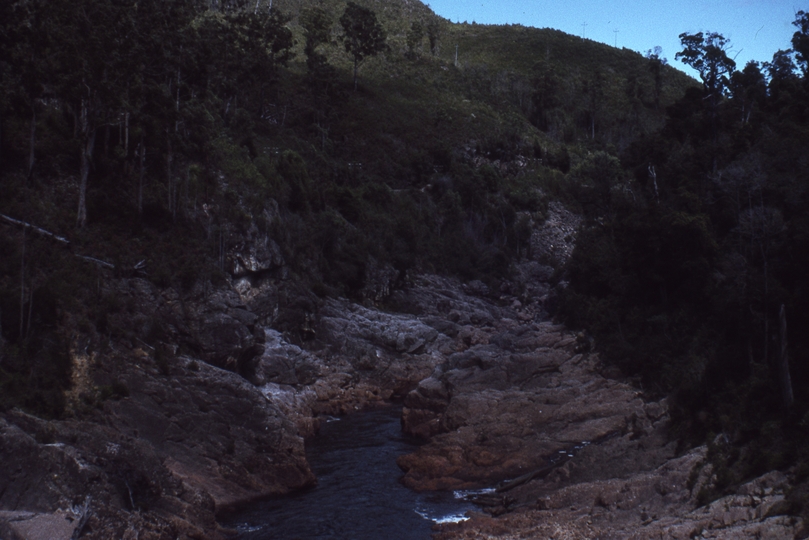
(36, 229)
(139, 267)
(99, 262)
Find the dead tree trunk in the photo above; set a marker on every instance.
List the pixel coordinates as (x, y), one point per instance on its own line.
(22, 286)
(126, 134)
(169, 179)
(34, 228)
(653, 176)
(142, 150)
(783, 363)
(30, 311)
(31, 152)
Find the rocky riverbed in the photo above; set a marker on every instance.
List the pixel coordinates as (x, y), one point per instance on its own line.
(203, 403)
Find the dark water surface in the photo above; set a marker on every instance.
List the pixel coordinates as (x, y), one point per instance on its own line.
(358, 495)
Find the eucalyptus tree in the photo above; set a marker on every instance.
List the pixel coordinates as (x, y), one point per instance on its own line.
(708, 55)
(88, 39)
(784, 80)
(364, 36)
(656, 63)
(414, 37)
(800, 40)
(316, 24)
(24, 41)
(239, 51)
(545, 96)
(749, 90)
(434, 30)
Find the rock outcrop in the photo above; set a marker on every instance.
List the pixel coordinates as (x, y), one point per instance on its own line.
(198, 407)
(203, 399)
(160, 461)
(511, 393)
(562, 447)
(658, 503)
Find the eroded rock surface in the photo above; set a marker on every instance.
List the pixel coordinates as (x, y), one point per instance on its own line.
(161, 461)
(511, 393)
(554, 240)
(658, 503)
(199, 407)
(204, 402)
(566, 449)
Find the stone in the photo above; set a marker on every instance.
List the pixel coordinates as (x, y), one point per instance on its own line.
(284, 363)
(59, 525)
(254, 253)
(504, 398)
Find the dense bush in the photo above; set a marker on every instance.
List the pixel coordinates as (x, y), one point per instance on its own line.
(683, 284)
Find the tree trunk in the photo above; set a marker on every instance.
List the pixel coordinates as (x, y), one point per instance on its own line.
(653, 176)
(783, 363)
(89, 139)
(39, 230)
(140, 177)
(169, 182)
(22, 286)
(30, 312)
(31, 154)
(2, 341)
(1, 162)
(126, 134)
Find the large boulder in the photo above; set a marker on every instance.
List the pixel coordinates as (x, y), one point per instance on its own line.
(284, 363)
(219, 329)
(213, 325)
(254, 253)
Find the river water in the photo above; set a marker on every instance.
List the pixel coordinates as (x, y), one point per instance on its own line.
(358, 495)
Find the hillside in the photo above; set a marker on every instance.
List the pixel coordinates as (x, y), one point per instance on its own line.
(426, 165)
(178, 179)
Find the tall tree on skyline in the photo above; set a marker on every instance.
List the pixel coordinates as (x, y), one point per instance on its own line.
(364, 36)
(708, 55)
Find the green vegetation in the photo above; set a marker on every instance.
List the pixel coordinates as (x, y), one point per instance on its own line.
(152, 134)
(169, 138)
(363, 35)
(691, 270)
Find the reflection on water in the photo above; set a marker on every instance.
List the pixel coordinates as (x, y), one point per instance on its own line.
(358, 495)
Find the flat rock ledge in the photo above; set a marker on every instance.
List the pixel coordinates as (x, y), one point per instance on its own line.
(660, 503)
(522, 420)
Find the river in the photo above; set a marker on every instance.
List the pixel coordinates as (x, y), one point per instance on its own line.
(358, 495)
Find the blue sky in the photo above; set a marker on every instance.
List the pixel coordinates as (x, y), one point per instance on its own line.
(755, 28)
